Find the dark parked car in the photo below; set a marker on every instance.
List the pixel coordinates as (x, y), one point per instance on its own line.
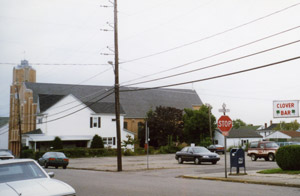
(6, 154)
(196, 154)
(55, 159)
(216, 148)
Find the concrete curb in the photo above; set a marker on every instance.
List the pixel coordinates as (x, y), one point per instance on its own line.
(241, 181)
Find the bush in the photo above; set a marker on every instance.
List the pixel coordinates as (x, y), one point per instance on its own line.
(288, 157)
(57, 143)
(28, 153)
(97, 142)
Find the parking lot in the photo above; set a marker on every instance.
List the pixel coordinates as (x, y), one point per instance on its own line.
(167, 161)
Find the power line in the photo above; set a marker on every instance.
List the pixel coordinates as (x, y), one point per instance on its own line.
(211, 36)
(217, 54)
(215, 77)
(217, 64)
(64, 64)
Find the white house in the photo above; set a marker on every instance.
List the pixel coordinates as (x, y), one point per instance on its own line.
(285, 135)
(75, 122)
(237, 137)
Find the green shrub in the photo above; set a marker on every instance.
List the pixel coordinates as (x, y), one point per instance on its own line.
(97, 142)
(28, 153)
(288, 157)
(57, 143)
(128, 152)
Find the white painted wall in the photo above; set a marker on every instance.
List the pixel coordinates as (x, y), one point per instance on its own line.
(4, 137)
(232, 141)
(56, 123)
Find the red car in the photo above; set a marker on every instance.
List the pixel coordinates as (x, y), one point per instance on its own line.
(216, 148)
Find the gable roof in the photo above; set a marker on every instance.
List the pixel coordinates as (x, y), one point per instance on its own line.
(46, 101)
(292, 134)
(271, 127)
(103, 107)
(242, 133)
(135, 103)
(3, 121)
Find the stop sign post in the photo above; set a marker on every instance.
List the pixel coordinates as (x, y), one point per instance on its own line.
(225, 124)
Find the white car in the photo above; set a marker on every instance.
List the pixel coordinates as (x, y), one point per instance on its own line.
(27, 178)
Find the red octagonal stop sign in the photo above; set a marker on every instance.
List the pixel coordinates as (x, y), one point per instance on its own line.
(225, 124)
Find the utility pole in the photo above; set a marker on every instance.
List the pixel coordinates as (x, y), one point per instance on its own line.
(117, 93)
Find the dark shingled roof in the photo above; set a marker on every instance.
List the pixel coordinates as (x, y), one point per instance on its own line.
(3, 121)
(36, 131)
(46, 101)
(243, 133)
(103, 107)
(135, 103)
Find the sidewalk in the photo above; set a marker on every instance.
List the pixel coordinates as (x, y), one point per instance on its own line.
(252, 177)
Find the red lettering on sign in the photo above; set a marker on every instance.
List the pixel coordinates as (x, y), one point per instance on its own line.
(286, 112)
(285, 105)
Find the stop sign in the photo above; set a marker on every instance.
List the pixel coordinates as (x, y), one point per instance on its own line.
(225, 124)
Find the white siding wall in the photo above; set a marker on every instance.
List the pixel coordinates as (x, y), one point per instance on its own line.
(232, 141)
(79, 122)
(4, 137)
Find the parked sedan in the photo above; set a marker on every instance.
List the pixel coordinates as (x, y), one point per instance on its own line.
(196, 154)
(216, 148)
(26, 177)
(56, 159)
(6, 154)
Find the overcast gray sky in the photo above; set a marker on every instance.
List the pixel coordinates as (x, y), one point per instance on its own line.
(157, 35)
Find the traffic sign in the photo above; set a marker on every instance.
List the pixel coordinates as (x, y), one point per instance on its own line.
(224, 124)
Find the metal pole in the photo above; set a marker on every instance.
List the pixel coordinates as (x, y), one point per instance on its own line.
(209, 116)
(117, 99)
(225, 142)
(147, 147)
(225, 149)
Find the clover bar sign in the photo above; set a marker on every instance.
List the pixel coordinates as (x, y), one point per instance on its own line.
(285, 109)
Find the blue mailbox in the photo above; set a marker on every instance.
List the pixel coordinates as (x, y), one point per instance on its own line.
(237, 159)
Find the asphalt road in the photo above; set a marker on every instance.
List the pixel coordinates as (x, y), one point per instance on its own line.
(166, 182)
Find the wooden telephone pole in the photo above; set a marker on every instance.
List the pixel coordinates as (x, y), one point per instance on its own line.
(117, 93)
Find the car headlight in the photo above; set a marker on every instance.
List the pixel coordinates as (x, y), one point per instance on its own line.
(205, 157)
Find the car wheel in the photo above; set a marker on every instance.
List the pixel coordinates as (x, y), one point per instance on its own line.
(197, 161)
(214, 162)
(180, 161)
(46, 165)
(253, 157)
(271, 157)
(56, 167)
(65, 167)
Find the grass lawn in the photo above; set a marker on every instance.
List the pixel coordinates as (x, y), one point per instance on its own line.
(279, 171)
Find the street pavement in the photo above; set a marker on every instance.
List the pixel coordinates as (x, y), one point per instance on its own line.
(156, 162)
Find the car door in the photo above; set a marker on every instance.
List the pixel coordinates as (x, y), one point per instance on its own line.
(261, 149)
(190, 154)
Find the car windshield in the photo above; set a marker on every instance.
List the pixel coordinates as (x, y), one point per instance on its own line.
(200, 150)
(60, 155)
(20, 171)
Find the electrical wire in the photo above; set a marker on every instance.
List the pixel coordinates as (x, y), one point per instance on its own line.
(217, 64)
(211, 36)
(217, 54)
(215, 77)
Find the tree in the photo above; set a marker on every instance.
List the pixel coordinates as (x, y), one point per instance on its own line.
(196, 125)
(129, 141)
(238, 123)
(57, 143)
(97, 142)
(163, 123)
(283, 126)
